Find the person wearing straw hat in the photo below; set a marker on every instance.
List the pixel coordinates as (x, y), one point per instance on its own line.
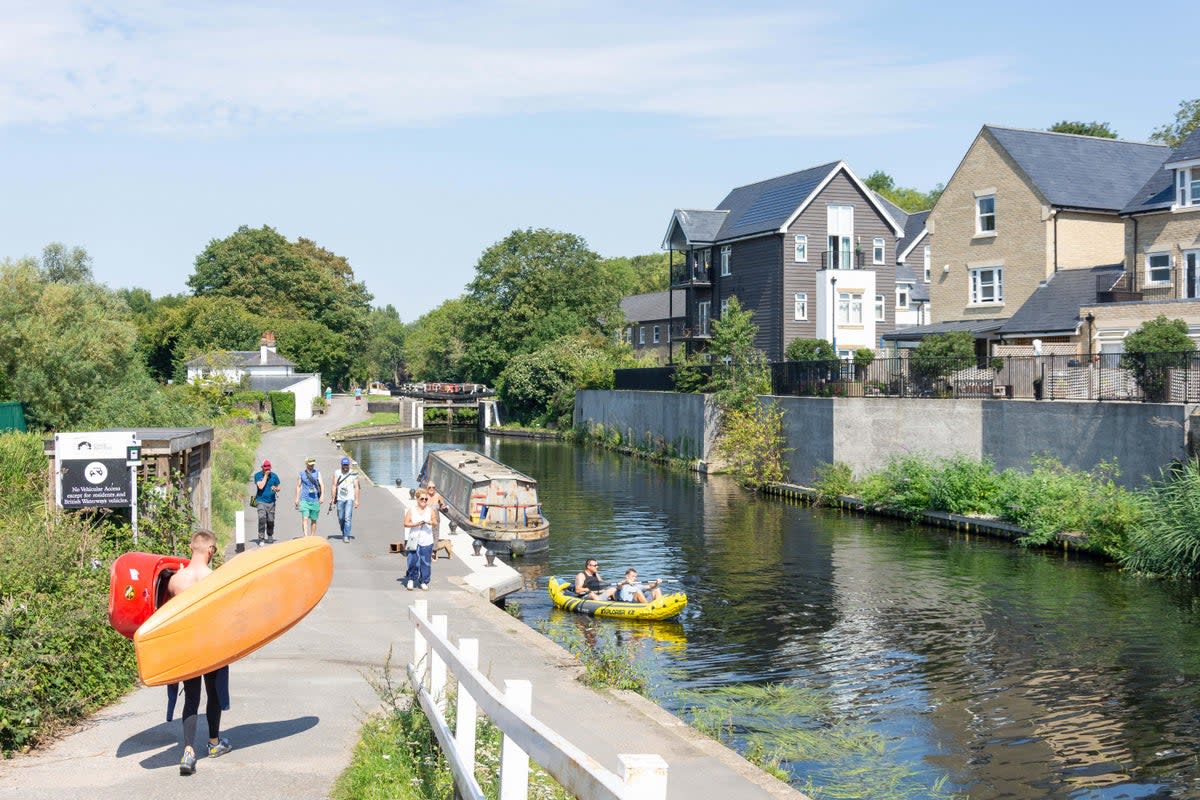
(310, 493)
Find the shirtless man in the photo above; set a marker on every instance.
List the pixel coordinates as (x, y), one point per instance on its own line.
(204, 547)
(589, 585)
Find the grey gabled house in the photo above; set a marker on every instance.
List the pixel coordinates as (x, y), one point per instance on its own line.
(813, 254)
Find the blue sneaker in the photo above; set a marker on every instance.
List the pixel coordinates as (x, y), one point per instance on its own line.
(187, 764)
(219, 749)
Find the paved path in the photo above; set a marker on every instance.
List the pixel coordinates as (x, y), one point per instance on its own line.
(299, 702)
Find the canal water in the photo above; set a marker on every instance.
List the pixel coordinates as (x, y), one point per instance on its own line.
(868, 658)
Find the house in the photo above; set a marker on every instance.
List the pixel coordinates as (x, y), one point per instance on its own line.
(648, 321)
(1022, 206)
(263, 370)
(913, 272)
(813, 254)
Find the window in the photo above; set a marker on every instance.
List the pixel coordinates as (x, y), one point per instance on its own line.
(840, 228)
(726, 253)
(877, 250)
(801, 249)
(902, 298)
(641, 334)
(800, 306)
(1187, 182)
(1158, 267)
(880, 309)
(928, 259)
(629, 335)
(703, 310)
(724, 306)
(849, 310)
(655, 334)
(985, 214)
(987, 285)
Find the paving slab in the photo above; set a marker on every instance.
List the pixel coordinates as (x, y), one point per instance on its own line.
(298, 703)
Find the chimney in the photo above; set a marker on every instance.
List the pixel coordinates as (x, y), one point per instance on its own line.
(267, 345)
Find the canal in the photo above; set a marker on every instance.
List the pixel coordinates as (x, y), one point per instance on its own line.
(868, 658)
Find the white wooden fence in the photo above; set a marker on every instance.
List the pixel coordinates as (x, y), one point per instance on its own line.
(645, 776)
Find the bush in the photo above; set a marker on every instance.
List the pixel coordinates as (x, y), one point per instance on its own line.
(1166, 538)
(234, 445)
(834, 481)
(906, 483)
(966, 486)
(751, 444)
(690, 377)
(283, 408)
(809, 350)
(1154, 349)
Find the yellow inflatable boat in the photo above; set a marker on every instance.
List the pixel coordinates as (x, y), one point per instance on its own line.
(666, 607)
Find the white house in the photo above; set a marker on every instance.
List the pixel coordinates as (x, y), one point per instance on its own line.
(264, 369)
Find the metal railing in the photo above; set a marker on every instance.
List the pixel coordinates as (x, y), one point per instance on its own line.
(645, 776)
(696, 273)
(1144, 377)
(682, 332)
(843, 259)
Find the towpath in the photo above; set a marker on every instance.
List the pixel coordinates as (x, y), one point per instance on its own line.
(299, 702)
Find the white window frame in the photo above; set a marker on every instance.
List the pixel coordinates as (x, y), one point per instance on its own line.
(629, 334)
(800, 306)
(724, 306)
(1151, 269)
(849, 308)
(726, 257)
(801, 248)
(641, 334)
(1187, 187)
(878, 248)
(703, 316)
(880, 308)
(977, 286)
(902, 294)
(654, 335)
(981, 215)
(928, 263)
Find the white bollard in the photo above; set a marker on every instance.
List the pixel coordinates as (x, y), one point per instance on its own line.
(239, 531)
(420, 646)
(464, 734)
(437, 669)
(645, 776)
(514, 762)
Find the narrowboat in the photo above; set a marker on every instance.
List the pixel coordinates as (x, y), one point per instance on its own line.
(489, 501)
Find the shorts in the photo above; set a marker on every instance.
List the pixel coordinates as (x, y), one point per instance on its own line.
(310, 509)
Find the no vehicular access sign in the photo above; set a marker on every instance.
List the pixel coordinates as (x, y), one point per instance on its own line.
(93, 469)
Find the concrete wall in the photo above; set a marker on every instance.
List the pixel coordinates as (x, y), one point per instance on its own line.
(686, 421)
(866, 432)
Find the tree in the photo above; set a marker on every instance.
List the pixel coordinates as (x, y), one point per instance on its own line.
(740, 373)
(540, 387)
(940, 355)
(385, 344)
(1153, 350)
(809, 350)
(434, 345)
(1100, 129)
(640, 274)
(906, 198)
(60, 265)
(1187, 119)
(532, 288)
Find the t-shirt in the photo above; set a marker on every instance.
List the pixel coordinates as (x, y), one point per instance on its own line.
(310, 485)
(345, 484)
(422, 532)
(627, 591)
(267, 493)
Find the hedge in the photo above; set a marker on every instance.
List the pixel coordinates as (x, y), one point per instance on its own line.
(283, 407)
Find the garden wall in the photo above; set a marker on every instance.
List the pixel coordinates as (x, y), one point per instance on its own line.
(687, 422)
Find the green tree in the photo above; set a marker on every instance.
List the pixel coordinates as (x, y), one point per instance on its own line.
(385, 344)
(1187, 119)
(1101, 129)
(539, 387)
(906, 198)
(809, 350)
(740, 373)
(434, 344)
(640, 274)
(532, 288)
(62, 265)
(940, 355)
(1154, 349)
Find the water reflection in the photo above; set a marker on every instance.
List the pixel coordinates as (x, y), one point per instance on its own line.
(1015, 674)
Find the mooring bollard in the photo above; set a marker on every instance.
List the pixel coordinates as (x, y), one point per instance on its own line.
(239, 531)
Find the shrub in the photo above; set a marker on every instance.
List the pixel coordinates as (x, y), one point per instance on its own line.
(751, 444)
(1166, 538)
(833, 482)
(1155, 348)
(966, 486)
(689, 377)
(905, 483)
(283, 408)
(809, 350)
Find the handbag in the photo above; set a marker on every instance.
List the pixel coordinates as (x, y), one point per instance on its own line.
(254, 501)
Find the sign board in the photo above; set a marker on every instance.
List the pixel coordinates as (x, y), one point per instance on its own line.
(93, 470)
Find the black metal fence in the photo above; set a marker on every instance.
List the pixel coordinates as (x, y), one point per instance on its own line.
(1143, 377)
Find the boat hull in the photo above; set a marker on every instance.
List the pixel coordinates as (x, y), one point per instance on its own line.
(248, 602)
(666, 607)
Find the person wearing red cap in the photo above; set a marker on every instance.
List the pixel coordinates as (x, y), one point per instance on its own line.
(266, 483)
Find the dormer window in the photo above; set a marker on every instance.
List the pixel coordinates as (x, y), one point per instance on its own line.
(1187, 185)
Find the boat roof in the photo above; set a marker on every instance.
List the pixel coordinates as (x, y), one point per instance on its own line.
(477, 466)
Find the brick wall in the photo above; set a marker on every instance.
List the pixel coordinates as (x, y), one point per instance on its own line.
(1168, 232)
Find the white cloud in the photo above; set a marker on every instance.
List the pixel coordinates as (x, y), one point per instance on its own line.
(216, 67)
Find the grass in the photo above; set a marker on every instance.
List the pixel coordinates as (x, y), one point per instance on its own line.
(375, 419)
(606, 664)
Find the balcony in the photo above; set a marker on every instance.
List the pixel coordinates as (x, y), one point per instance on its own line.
(843, 259)
(681, 332)
(1119, 290)
(691, 274)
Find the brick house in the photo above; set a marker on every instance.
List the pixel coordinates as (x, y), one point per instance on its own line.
(813, 254)
(1021, 206)
(648, 319)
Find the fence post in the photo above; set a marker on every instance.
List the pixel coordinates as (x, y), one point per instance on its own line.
(464, 717)
(420, 646)
(437, 669)
(645, 776)
(514, 762)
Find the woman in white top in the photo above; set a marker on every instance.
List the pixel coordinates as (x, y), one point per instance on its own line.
(419, 525)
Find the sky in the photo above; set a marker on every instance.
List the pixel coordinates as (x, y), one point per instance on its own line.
(410, 137)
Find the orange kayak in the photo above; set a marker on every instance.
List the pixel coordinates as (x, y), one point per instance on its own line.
(248, 602)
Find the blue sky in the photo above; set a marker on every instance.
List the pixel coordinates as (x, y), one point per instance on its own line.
(410, 137)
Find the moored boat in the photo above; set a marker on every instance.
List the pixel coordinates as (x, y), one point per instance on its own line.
(489, 501)
(666, 607)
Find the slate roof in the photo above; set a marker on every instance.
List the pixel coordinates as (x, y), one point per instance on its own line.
(1054, 305)
(277, 383)
(898, 213)
(653, 306)
(1073, 171)
(246, 358)
(764, 206)
(1159, 191)
(699, 225)
(976, 327)
(914, 226)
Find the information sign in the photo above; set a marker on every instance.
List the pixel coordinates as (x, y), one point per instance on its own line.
(93, 469)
